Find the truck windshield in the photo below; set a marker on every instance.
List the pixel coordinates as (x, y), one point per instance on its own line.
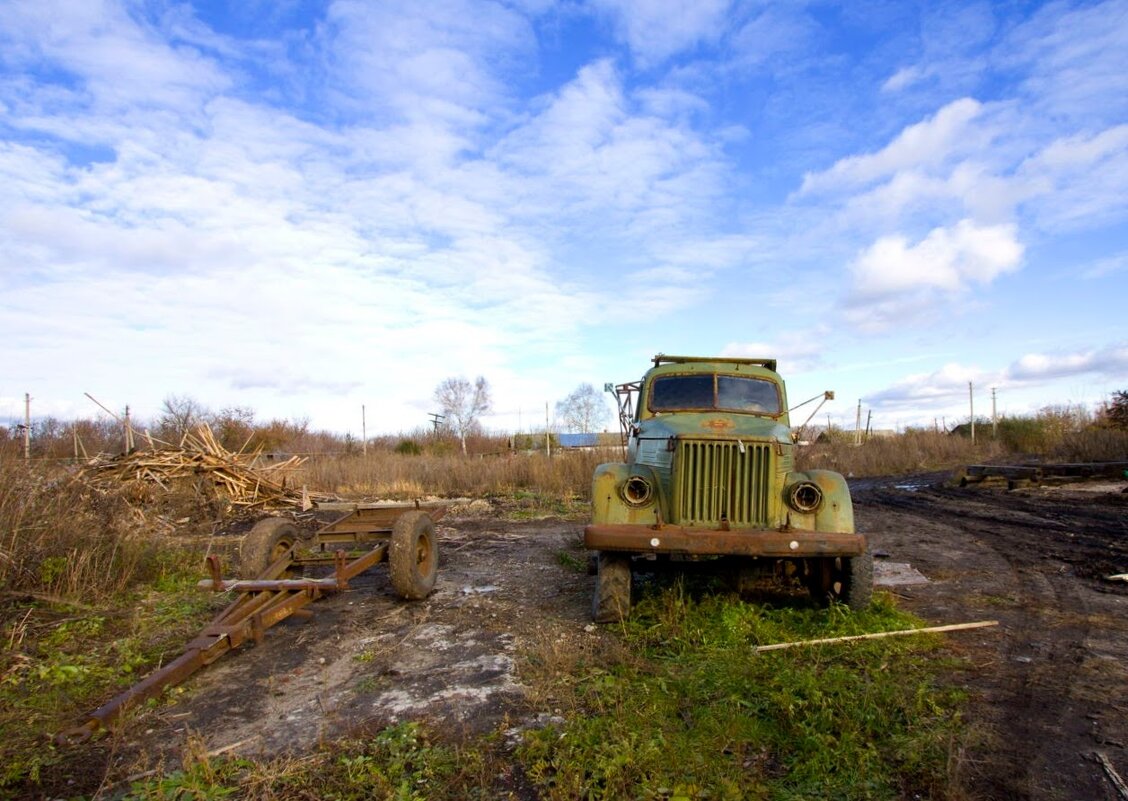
(713, 393)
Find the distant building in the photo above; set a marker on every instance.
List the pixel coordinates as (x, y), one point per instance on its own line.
(588, 441)
(578, 440)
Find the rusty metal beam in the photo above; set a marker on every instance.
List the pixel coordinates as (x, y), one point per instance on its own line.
(263, 603)
(667, 539)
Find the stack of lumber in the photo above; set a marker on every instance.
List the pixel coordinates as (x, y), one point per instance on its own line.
(238, 475)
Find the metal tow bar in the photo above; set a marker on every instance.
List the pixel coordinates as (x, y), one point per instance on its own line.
(263, 602)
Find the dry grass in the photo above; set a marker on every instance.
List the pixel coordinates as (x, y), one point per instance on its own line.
(60, 538)
(1092, 445)
(383, 475)
(919, 451)
(910, 452)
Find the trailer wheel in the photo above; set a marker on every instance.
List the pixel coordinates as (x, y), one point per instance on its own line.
(413, 555)
(848, 580)
(612, 600)
(270, 538)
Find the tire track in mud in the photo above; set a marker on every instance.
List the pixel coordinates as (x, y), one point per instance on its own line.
(1034, 567)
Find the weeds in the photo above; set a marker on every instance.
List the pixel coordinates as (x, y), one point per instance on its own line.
(689, 711)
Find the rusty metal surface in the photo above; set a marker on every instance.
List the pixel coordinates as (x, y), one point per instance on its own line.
(262, 602)
(667, 539)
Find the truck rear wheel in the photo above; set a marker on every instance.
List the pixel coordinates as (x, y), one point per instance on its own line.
(848, 580)
(265, 544)
(413, 556)
(612, 600)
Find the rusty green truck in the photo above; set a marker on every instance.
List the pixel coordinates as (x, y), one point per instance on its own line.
(710, 475)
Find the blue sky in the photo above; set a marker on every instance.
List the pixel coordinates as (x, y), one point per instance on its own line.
(306, 207)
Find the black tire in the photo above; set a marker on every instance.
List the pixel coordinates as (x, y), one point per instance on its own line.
(858, 574)
(413, 556)
(847, 580)
(612, 600)
(264, 544)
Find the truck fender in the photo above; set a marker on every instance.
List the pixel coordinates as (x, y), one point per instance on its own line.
(835, 512)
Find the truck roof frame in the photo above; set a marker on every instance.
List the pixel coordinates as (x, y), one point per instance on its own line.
(662, 358)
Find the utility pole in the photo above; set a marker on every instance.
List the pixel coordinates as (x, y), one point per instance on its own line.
(858, 424)
(971, 406)
(994, 416)
(27, 426)
(363, 431)
(547, 436)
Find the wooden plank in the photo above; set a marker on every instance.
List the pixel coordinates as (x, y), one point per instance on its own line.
(879, 635)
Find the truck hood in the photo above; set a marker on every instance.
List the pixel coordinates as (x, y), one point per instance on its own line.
(714, 426)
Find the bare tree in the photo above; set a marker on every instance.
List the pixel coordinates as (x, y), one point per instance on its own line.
(180, 414)
(462, 403)
(1116, 410)
(583, 411)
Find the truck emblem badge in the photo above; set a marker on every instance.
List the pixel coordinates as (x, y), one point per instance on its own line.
(718, 424)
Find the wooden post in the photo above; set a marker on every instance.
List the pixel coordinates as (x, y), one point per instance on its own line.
(858, 424)
(128, 432)
(363, 430)
(547, 435)
(27, 426)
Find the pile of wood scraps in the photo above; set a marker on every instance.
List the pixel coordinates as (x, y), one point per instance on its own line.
(239, 475)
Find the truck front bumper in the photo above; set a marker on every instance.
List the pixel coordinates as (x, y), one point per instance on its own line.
(684, 540)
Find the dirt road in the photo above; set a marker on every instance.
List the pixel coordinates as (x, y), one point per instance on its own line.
(1049, 687)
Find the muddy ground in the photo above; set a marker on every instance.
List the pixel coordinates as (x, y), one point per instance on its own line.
(1048, 686)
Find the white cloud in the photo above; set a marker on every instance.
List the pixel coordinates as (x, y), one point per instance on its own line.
(1074, 59)
(1077, 182)
(1110, 265)
(1109, 362)
(922, 389)
(796, 352)
(905, 77)
(658, 29)
(425, 61)
(948, 259)
(119, 60)
(945, 391)
(772, 36)
(926, 143)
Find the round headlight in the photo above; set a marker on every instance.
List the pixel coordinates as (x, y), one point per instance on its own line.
(637, 491)
(805, 496)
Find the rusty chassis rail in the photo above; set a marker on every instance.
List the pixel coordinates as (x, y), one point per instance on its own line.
(667, 539)
(263, 602)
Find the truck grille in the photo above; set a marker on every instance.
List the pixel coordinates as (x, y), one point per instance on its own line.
(716, 481)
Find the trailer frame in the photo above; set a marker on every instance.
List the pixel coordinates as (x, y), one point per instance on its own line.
(363, 537)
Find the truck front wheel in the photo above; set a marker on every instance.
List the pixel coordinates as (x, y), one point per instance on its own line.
(848, 580)
(612, 600)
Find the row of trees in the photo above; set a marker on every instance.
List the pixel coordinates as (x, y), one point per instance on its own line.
(463, 404)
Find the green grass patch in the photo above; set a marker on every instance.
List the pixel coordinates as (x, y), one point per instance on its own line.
(399, 763)
(62, 659)
(688, 710)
